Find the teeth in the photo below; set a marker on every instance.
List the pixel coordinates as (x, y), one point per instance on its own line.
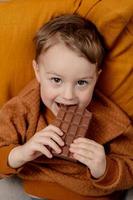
(61, 104)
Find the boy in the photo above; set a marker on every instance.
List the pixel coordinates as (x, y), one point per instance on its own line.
(69, 54)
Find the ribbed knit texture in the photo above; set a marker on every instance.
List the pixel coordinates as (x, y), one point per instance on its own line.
(24, 115)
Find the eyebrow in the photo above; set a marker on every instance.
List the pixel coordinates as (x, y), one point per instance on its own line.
(86, 77)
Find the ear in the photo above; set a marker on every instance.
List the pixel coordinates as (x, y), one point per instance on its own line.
(36, 70)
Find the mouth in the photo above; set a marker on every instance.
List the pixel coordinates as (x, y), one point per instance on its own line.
(62, 104)
(58, 106)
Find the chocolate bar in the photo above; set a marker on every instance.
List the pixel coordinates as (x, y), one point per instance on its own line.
(74, 122)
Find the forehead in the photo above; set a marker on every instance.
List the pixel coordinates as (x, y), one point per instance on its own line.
(61, 59)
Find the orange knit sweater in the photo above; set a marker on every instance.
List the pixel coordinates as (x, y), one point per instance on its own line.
(59, 179)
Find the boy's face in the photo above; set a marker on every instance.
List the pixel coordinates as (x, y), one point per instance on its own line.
(65, 78)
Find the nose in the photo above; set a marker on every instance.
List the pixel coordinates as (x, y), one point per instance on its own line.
(68, 93)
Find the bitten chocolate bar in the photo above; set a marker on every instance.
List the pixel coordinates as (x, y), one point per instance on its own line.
(74, 122)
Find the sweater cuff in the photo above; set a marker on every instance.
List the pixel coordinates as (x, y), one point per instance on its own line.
(5, 169)
(110, 176)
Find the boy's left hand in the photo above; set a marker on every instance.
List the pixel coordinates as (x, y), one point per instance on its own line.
(91, 154)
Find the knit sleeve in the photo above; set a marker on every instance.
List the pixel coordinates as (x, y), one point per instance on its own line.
(119, 172)
(12, 131)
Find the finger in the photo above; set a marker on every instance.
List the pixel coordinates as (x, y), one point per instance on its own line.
(55, 129)
(53, 136)
(83, 152)
(82, 159)
(43, 150)
(48, 141)
(57, 139)
(87, 141)
(88, 147)
(95, 150)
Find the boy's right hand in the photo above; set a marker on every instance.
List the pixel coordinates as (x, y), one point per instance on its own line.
(36, 146)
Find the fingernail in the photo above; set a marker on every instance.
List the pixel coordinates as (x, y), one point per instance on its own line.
(50, 156)
(61, 133)
(59, 151)
(62, 144)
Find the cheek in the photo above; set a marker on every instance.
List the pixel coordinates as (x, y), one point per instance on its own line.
(85, 98)
(47, 93)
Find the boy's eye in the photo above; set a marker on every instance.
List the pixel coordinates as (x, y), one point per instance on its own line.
(56, 80)
(82, 83)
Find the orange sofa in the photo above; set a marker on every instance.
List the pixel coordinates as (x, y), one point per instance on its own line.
(19, 20)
